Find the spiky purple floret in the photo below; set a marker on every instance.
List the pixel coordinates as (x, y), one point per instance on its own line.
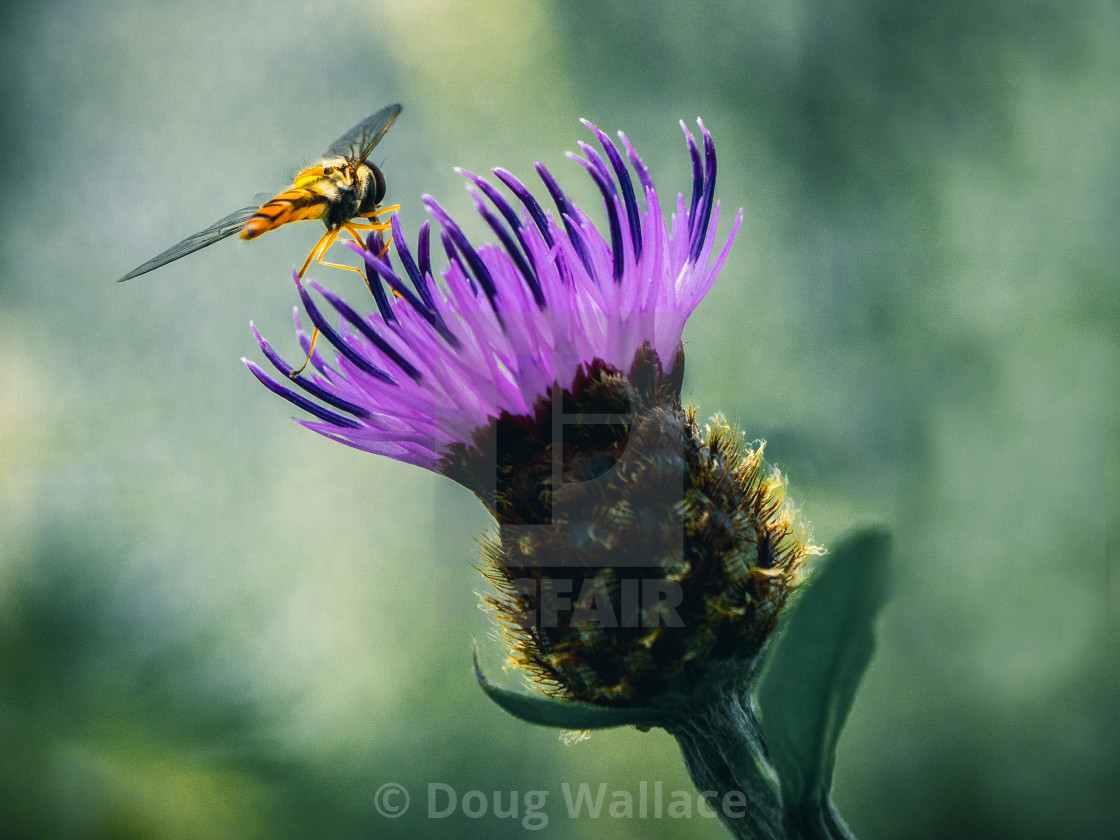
(437, 361)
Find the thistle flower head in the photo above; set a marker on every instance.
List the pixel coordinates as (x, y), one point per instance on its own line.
(543, 372)
(441, 359)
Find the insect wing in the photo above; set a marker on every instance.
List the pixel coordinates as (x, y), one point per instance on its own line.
(222, 228)
(360, 140)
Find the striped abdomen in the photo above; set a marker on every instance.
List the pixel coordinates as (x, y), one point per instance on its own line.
(294, 205)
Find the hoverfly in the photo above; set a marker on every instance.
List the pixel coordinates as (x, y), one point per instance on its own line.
(342, 187)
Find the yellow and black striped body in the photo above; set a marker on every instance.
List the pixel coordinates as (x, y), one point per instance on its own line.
(294, 205)
(336, 191)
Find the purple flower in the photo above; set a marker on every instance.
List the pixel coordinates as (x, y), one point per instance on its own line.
(442, 358)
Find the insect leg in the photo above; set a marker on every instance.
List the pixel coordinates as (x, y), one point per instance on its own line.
(316, 255)
(292, 374)
(320, 248)
(320, 251)
(353, 229)
(380, 211)
(357, 238)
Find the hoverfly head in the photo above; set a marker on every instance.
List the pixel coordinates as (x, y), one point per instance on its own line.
(374, 181)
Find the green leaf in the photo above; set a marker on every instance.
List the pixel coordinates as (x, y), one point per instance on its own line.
(566, 714)
(814, 670)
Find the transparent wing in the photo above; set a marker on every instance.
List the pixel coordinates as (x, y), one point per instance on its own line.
(360, 140)
(222, 228)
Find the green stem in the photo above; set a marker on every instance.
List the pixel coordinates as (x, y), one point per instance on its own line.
(726, 758)
(724, 751)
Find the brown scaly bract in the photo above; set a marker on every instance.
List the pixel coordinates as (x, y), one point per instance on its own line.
(636, 551)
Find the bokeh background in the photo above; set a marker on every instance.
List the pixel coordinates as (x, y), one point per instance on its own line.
(214, 623)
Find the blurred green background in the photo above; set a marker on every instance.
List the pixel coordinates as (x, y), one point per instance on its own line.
(214, 623)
